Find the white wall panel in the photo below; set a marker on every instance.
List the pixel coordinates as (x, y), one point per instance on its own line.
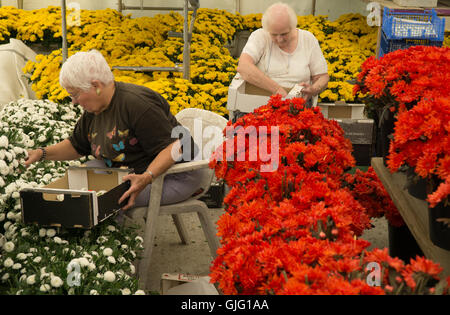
(332, 8)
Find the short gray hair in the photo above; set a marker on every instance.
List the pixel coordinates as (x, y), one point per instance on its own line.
(82, 68)
(268, 15)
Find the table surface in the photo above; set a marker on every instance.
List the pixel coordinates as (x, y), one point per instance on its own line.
(414, 213)
(442, 5)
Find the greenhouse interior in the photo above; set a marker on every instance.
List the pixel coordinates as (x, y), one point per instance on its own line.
(225, 148)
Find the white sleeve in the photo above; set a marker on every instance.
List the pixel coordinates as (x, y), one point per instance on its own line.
(256, 45)
(318, 64)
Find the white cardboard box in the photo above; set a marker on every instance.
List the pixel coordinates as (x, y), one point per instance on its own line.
(342, 110)
(72, 201)
(246, 97)
(417, 3)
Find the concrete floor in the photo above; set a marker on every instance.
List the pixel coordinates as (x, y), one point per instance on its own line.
(170, 256)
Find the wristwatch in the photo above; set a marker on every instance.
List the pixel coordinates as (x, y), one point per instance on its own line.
(44, 153)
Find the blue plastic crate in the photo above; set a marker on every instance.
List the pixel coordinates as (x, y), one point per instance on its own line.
(401, 24)
(388, 45)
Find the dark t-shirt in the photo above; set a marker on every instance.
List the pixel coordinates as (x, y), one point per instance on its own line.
(132, 131)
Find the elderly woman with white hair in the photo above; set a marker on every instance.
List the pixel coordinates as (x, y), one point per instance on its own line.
(122, 125)
(279, 56)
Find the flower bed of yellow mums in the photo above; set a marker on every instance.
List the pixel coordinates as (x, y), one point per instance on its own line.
(124, 41)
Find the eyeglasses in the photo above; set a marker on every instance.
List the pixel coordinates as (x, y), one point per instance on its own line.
(280, 35)
(76, 95)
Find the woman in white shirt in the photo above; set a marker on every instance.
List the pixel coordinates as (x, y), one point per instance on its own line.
(279, 56)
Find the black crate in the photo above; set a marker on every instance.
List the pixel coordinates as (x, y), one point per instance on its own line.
(60, 204)
(214, 196)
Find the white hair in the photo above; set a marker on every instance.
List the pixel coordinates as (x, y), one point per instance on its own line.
(82, 68)
(267, 17)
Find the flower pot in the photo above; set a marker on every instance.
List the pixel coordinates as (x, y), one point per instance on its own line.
(385, 132)
(402, 243)
(416, 185)
(439, 231)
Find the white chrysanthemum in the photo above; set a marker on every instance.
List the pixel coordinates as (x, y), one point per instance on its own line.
(4, 169)
(51, 232)
(139, 292)
(56, 282)
(9, 247)
(10, 215)
(107, 251)
(31, 279)
(19, 150)
(4, 142)
(7, 225)
(93, 292)
(125, 291)
(8, 262)
(17, 266)
(21, 256)
(37, 259)
(109, 276)
(42, 232)
(111, 259)
(2, 240)
(29, 143)
(83, 262)
(44, 288)
(91, 266)
(101, 239)
(9, 156)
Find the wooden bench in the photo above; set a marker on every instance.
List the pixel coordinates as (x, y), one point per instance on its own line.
(414, 212)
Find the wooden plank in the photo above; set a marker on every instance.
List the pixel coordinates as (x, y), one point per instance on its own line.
(391, 5)
(414, 212)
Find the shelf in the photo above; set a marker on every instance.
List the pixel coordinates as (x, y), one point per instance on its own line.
(442, 9)
(414, 213)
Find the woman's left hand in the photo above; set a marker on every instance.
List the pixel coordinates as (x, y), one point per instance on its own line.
(138, 183)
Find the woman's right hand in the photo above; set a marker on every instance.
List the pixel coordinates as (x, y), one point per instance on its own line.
(33, 156)
(281, 91)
